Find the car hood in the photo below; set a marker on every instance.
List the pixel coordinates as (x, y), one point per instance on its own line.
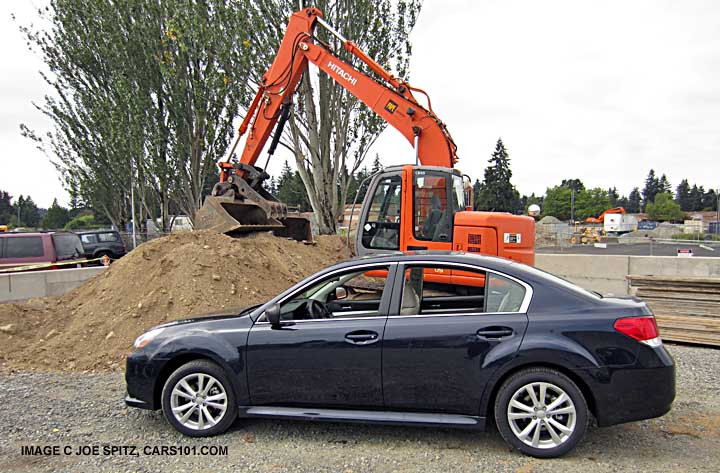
(228, 313)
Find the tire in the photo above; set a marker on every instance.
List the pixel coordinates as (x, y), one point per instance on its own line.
(557, 433)
(211, 416)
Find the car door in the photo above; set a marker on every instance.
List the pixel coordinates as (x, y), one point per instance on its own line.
(444, 341)
(328, 362)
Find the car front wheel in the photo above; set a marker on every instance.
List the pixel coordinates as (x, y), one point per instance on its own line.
(198, 400)
(541, 412)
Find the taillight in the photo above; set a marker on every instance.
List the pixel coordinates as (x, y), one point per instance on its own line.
(642, 329)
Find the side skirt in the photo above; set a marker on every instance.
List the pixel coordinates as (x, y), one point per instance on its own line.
(370, 417)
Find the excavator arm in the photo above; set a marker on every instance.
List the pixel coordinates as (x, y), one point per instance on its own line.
(391, 98)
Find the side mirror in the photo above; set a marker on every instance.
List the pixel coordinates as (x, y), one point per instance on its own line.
(272, 314)
(340, 293)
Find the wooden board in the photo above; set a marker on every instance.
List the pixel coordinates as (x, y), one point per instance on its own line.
(687, 309)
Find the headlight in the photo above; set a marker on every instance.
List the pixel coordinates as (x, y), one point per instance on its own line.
(147, 337)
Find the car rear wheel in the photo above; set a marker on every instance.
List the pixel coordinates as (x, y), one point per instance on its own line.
(198, 400)
(541, 412)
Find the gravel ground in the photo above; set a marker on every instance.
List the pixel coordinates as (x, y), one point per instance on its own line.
(86, 410)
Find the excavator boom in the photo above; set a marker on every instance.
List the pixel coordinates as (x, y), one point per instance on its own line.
(238, 202)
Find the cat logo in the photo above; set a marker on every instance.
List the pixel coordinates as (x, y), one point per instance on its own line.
(391, 106)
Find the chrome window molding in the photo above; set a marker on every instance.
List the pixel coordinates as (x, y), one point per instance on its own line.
(378, 266)
(523, 307)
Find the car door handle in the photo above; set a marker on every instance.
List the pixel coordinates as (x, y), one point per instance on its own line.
(362, 337)
(494, 332)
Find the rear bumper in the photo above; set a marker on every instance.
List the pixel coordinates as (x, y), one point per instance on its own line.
(637, 392)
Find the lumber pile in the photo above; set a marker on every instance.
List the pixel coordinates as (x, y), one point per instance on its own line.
(687, 309)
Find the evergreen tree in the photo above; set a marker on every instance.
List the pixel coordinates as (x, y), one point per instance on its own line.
(477, 187)
(664, 185)
(573, 184)
(633, 201)
(613, 196)
(695, 200)
(709, 200)
(56, 217)
(682, 195)
(622, 202)
(557, 202)
(652, 185)
(497, 192)
(6, 208)
(376, 166)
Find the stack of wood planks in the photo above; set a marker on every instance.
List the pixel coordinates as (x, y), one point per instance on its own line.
(687, 309)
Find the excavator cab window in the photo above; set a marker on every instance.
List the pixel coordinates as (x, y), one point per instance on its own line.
(431, 215)
(381, 230)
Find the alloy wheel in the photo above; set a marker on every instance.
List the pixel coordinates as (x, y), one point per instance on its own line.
(541, 415)
(198, 401)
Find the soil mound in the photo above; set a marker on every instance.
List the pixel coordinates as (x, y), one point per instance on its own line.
(174, 277)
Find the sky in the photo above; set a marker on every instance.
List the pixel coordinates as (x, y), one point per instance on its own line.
(600, 91)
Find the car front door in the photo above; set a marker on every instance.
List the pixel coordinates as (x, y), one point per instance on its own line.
(333, 361)
(443, 341)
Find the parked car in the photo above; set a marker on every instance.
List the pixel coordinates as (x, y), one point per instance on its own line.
(99, 243)
(42, 250)
(388, 340)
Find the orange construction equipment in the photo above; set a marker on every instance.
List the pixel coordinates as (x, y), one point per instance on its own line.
(408, 207)
(601, 218)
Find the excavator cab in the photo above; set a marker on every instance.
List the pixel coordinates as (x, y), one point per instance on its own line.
(410, 208)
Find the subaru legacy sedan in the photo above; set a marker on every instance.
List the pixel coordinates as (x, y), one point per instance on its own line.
(433, 339)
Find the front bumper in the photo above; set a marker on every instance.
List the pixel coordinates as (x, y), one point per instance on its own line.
(139, 403)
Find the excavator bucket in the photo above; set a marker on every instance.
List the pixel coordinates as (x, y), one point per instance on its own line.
(235, 217)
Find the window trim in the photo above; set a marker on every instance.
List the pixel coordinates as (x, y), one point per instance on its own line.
(523, 307)
(392, 265)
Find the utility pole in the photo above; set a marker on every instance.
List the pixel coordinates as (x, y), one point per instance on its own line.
(132, 202)
(572, 205)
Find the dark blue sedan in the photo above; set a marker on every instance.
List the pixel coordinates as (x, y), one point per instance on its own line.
(435, 339)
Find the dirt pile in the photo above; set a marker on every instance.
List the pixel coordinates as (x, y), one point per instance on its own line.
(93, 327)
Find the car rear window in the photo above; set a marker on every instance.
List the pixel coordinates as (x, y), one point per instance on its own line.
(67, 245)
(108, 237)
(24, 247)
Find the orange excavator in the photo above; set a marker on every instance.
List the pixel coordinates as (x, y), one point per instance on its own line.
(426, 205)
(601, 218)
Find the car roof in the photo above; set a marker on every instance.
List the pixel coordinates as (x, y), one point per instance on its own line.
(85, 232)
(491, 262)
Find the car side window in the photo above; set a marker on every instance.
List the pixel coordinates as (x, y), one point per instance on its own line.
(24, 247)
(503, 294)
(112, 237)
(435, 290)
(353, 293)
(89, 238)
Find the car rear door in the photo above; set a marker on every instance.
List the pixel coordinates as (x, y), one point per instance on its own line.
(439, 355)
(331, 362)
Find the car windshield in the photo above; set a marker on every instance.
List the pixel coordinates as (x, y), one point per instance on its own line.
(563, 282)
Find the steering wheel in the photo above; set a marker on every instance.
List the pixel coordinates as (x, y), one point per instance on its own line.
(317, 310)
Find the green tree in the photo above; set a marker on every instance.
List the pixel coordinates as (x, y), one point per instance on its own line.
(56, 216)
(497, 192)
(591, 203)
(146, 93)
(664, 208)
(557, 202)
(695, 200)
(25, 213)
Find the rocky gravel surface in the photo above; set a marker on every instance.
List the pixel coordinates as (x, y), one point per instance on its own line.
(85, 411)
